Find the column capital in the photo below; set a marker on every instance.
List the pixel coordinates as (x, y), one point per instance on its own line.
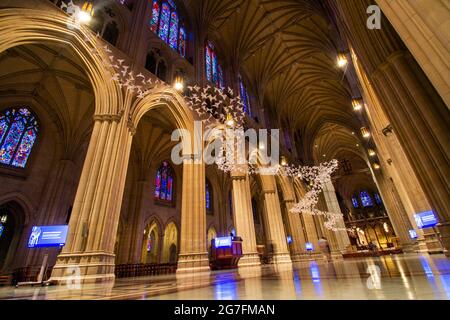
(107, 117)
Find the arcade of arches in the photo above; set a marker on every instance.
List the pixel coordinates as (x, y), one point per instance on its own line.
(78, 149)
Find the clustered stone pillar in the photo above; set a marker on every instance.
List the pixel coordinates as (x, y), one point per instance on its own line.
(243, 219)
(416, 111)
(308, 222)
(331, 200)
(193, 255)
(89, 251)
(294, 222)
(273, 220)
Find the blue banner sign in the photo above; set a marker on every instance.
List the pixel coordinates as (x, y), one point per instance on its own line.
(222, 242)
(289, 239)
(425, 219)
(48, 236)
(413, 234)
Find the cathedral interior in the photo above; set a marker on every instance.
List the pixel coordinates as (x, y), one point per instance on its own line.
(91, 93)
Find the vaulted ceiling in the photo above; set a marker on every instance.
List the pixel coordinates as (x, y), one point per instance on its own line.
(286, 51)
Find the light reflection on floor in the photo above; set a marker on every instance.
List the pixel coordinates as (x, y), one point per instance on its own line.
(389, 277)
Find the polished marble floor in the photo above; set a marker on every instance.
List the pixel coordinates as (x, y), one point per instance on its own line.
(390, 277)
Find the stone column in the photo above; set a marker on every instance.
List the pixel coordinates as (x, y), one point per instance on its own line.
(274, 221)
(423, 26)
(298, 249)
(293, 221)
(416, 111)
(89, 250)
(193, 255)
(331, 200)
(243, 219)
(308, 223)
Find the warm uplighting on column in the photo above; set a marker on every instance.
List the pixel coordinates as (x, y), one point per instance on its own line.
(365, 132)
(86, 13)
(376, 166)
(342, 60)
(371, 152)
(357, 104)
(230, 121)
(283, 161)
(178, 84)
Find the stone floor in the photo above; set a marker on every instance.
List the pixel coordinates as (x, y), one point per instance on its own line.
(389, 277)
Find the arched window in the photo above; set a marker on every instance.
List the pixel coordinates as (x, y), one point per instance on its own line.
(355, 201)
(164, 183)
(214, 71)
(18, 132)
(161, 70)
(366, 200)
(244, 97)
(377, 198)
(166, 24)
(208, 193)
(150, 62)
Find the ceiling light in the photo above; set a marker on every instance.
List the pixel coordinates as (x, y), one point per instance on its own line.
(365, 132)
(376, 166)
(357, 104)
(342, 60)
(178, 84)
(371, 152)
(230, 121)
(86, 13)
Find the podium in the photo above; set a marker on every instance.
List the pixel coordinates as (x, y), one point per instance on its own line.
(225, 253)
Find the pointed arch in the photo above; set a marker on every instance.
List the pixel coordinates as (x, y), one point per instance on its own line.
(25, 26)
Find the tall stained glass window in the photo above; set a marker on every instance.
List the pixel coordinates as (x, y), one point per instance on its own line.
(164, 183)
(173, 32)
(355, 202)
(166, 24)
(182, 42)
(208, 197)
(155, 16)
(244, 97)
(18, 132)
(366, 200)
(377, 198)
(214, 71)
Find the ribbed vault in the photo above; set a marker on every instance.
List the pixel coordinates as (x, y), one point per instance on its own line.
(286, 52)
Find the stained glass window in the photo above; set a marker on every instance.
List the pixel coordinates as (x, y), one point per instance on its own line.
(355, 202)
(208, 63)
(220, 76)
(18, 132)
(214, 71)
(214, 67)
(173, 34)
(244, 97)
(155, 16)
(182, 42)
(172, 4)
(1, 229)
(164, 22)
(366, 200)
(208, 196)
(377, 198)
(164, 182)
